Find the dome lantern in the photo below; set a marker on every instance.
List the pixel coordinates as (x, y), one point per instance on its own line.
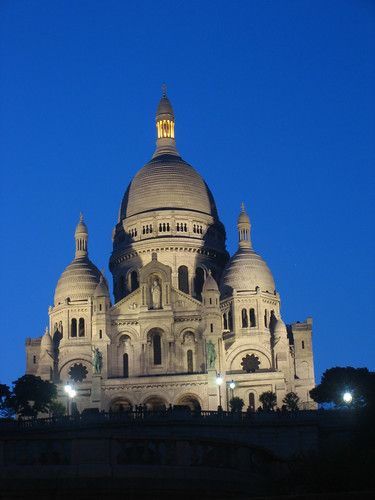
(244, 226)
(165, 137)
(81, 236)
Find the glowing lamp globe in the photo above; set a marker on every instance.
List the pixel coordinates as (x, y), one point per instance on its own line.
(347, 397)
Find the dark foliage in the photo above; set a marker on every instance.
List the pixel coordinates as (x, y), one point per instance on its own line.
(268, 400)
(236, 404)
(291, 401)
(335, 381)
(31, 395)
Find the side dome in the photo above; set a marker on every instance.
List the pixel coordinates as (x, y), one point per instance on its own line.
(167, 182)
(102, 288)
(246, 270)
(210, 284)
(78, 281)
(81, 277)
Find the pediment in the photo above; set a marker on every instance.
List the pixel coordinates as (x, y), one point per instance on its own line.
(129, 304)
(182, 301)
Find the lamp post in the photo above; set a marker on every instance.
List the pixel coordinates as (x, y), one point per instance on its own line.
(231, 386)
(219, 381)
(347, 397)
(71, 393)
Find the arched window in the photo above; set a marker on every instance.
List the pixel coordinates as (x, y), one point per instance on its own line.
(81, 327)
(199, 280)
(245, 322)
(156, 343)
(125, 365)
(225, 321)
(190, 366)
(133, 281)
(230, 320)
(183, 279)
(252, 401)
(266, 318)
(73, 328)
(252, 317)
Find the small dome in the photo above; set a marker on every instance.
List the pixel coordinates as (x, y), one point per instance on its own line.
(78, 281)
(46, 342)
(210, 284)
(81, 226)
(164, 107)
(102, 289)
(243, 218)
(245, 271)
(167, 182)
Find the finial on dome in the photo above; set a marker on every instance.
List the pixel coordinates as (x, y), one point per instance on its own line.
(81, 217)
(165, 139)
(244, 226)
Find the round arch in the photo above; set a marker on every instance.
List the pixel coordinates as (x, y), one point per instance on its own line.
(155, 402)
(242, 347)
(191, 400)
(120, 404)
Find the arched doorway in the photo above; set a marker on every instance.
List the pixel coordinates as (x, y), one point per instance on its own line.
(155, 403)
(189, 400)
(120, 405)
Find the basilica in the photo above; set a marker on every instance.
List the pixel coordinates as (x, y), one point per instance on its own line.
(188, 323)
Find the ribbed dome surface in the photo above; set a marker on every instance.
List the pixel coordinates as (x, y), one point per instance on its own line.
(167, 182)
(78, 281)
(245, 271)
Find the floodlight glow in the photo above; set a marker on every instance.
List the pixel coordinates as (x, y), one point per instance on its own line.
(347, 397)
(219, 379)
(70, 391)
(232, 385)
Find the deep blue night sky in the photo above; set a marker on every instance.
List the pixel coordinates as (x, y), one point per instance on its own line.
(274, 104)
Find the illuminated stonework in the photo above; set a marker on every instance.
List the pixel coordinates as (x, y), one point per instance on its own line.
(183, 310)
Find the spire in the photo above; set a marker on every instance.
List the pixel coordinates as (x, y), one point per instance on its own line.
(81, 236)
(165, 139)
(244, 226)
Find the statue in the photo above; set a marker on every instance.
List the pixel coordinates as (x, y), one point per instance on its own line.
(155, 295)
(211, 354)
(97, 360)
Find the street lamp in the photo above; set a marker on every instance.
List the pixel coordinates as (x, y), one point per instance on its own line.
(232, 386)
(71, 393)
(219, 381)
(347, 397)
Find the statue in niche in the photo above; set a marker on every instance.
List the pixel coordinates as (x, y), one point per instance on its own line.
(155, 295)
(97, 360)
(211, 354)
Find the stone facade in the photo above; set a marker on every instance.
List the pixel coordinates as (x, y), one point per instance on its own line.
(183, 312)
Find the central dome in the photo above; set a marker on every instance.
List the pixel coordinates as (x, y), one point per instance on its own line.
(167, 182)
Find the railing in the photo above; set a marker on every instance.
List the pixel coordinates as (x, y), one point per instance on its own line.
(168, 416)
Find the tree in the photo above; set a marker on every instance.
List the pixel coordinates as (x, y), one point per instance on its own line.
(268, 400)
(236, 404)
(57, 409)
(338, 380)
(4, 397)
(31, 395)
(291, 401)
